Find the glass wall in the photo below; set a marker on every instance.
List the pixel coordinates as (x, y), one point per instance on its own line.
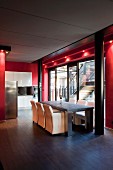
(68, 87)
(87, 80)
(62, 82)
(52, 85)
(73, 84)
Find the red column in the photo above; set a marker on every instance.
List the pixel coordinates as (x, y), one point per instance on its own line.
(2, 85)
(44, 84)
(109, 86)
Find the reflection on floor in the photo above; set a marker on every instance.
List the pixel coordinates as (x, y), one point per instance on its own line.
(25, 146)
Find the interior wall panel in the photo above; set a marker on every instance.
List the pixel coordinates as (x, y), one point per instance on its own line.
(24, 67)
(2, 86)
(109, 86)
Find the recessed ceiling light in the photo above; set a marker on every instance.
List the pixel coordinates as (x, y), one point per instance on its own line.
(67, 59)
(86, 54)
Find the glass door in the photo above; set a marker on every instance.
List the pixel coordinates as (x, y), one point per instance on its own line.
(52, 85)
(87, 80)
(62, 83)
(73, 84)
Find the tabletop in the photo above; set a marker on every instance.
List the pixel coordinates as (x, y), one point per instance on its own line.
(67, 106)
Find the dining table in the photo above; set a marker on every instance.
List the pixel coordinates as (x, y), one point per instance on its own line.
(69, 109)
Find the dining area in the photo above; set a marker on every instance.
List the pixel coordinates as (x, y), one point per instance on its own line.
(27, 145)
(58, 117)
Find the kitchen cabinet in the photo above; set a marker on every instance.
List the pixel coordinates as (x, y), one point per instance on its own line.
(9, 76)
(23, 78)
(24, 102)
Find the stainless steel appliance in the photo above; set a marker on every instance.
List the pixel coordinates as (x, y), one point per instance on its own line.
(11, 92)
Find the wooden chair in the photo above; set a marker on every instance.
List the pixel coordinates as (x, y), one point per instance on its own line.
(41, 114)
(54, 121)
(34, 112)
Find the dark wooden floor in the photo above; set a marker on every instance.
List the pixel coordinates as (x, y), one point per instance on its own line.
(25, 146)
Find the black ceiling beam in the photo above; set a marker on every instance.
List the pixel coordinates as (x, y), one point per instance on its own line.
(5, 48)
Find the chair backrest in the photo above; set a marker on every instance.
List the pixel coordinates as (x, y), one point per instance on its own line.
(48, 110)
(34, 111)
(84, 102)
(92, 104)
(33, 104)
(40, 108)
(72, 100)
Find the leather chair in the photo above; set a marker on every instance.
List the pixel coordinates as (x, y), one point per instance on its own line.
(54, 121)
(79, 117)
(92, 104)
(34, 112)
(72, 100)
(41, 114)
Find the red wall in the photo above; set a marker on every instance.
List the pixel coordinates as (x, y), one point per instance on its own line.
(44, 84)
(24, 67)
(109, 86)
(2, 86)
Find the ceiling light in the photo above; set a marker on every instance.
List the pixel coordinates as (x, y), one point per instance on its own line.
(110, 41)
(67, 59)
(86, 54)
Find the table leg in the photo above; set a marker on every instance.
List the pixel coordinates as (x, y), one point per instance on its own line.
(89, 120)
(68, 124)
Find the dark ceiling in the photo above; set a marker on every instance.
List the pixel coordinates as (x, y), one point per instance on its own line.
(35, 28)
